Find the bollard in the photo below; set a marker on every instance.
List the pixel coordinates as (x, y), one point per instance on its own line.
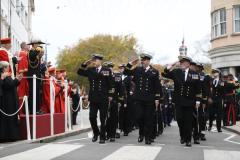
(34, 106)
(69, 115)
(66, 103)
(52, 95)
(25, 99)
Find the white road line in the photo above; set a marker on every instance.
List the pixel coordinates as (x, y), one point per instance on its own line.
(135, 153)
(231, 135)
(72, 140)
(45, 152)
(221, 155)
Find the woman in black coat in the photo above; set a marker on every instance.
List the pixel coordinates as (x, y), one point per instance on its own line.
(9, 125)
(75, 103)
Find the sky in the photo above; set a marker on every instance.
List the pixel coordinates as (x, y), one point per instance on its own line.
(158, 25)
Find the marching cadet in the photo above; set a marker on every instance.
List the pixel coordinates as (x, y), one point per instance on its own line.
(230, 87)
(147, 94)
(186, 95)
(125, 108)
(167, 107)
(216, 99)
(112, 120)
(159, 115)
(100, 93)
(202, 109)
(128, 112)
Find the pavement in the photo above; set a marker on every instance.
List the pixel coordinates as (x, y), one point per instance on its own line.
(220, 146)
(83, 125)
(234, 128)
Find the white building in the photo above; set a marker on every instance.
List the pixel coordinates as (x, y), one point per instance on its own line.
(16, 21)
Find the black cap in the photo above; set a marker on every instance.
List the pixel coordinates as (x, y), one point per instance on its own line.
(145, 56)
(185, 58)
(97, 56)
(36, 41)
(200, 65)
(193, 63)
(108, 64)
(121, 65)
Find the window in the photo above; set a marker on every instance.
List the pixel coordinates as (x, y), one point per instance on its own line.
(237, 18)
(219, 23)
(18, 7)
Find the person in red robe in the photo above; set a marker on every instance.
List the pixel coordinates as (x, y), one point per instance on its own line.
(5, 54)
(45, 107)
(59, 94)
(23, 88)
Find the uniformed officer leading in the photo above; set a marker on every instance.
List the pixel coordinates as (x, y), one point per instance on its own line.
(147, 95)
(100, 93)
(186, 94)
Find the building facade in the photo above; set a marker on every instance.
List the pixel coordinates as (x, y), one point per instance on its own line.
(225, 36)
(16, 21)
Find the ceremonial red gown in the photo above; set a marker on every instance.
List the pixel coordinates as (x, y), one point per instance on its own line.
(23, 88)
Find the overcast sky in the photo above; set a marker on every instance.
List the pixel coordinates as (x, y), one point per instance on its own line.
(158, 25)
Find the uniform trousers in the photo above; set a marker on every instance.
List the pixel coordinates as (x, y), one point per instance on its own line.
(215, 109)
(184, 115)
(145, 118)
(102, 107)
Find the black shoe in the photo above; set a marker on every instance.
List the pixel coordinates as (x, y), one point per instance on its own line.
(151, 140)
(95, 138)
(112, 139)
(140, 139)
(203, 139)
(160, 131)
(117, 135)
(148, 142)
(182, 141)
(209, 128)
(107, 138)
(188, 144)
(219, 130)
(102, 141)
(196, 142)
(125, 134)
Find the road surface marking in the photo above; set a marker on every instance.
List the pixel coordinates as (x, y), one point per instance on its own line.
(228, 139)
(45, 152)
(221, 155)
(135, 153)
(72, 140)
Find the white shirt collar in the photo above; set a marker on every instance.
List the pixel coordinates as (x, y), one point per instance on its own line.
(99, 68)
(146, 69)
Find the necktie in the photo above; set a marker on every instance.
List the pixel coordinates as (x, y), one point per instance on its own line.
(97, 70)
(184, 72)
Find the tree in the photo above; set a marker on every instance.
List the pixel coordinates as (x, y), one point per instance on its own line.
(118, 49)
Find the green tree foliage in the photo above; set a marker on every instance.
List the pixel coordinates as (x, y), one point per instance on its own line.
(118, 49)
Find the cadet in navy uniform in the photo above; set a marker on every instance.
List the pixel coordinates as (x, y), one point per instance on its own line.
(186, 93)
(205, 89)
(216, 100)
(113, 111)
(147, 94)
(100, 93)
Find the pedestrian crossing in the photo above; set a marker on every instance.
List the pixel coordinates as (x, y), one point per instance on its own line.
(126, 152)
(46, 152)
(135, 153)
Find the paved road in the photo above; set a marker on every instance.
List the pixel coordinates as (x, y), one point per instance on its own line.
(219, 146)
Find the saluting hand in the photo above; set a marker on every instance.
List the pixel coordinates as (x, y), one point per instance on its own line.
(156, 103)
(134, 62)
(88, 62)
